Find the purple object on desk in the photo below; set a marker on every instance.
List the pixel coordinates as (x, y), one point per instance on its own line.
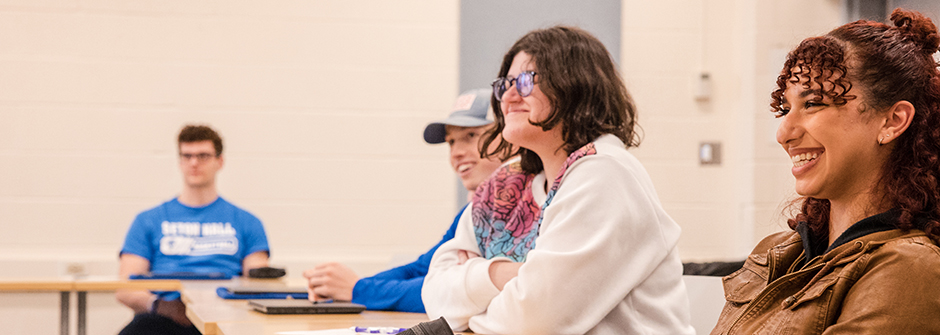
(377, 330)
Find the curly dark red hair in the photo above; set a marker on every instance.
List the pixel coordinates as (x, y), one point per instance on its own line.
(889, 64)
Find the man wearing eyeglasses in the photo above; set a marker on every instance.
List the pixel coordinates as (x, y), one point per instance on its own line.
(196, 232)
(399, 289)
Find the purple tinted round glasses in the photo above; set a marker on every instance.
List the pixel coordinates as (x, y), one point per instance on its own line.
(524, 84)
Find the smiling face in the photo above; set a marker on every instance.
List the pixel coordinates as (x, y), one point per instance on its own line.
(465, 158)
(519, 111)
(834, 148)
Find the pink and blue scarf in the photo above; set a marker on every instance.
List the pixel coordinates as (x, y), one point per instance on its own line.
(506, 218)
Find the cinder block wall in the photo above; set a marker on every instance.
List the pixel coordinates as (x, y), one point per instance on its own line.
(741, 44)
(321, 104)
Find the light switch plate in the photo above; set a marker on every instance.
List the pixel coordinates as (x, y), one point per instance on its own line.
(709, 153)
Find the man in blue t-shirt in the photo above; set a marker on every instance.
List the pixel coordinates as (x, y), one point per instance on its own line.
(196, 232)
(399, 289)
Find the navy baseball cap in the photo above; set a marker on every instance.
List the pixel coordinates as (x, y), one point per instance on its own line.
(472, 109)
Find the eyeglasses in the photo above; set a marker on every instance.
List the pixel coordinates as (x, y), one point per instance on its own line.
(524, 83)
(200, 157)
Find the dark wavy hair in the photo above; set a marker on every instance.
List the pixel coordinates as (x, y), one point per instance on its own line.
(197, 133)
(583, 86)
(888, 64)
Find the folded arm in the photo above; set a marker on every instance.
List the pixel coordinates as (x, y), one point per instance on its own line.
(455, 290)
(599, 239)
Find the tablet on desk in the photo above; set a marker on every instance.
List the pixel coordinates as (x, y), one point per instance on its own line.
(266, 289)
(261, 292)
(282, 306)
(183, 275)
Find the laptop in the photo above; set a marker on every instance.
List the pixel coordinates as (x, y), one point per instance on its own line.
(298, 306)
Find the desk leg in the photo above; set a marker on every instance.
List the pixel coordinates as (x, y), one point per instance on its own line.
(64, 313)
(81, 312)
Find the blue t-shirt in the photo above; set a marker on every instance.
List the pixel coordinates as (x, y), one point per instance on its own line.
(178, 238)
(399, 289)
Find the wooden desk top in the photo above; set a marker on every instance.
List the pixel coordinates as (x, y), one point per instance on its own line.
(322, 322)
(60, 284)
(112, 283)
(97, 283)
(206, 309)
(213, 315)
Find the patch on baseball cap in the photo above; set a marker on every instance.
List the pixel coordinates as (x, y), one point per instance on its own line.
(472, 109)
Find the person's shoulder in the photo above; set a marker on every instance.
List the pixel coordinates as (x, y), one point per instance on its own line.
(781, 239)
(608, 148)
(239, 211)
(605, 156)
(608, 144)
(914, 245)
(912, 255)
(157, 211)
(221, 203)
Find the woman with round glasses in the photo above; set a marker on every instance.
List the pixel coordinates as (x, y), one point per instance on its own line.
(605, 258)
(860, 112)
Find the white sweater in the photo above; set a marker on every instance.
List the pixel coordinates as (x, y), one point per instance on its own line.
(605, 261)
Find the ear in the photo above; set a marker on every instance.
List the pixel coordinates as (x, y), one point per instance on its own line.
(221, 161)
(897, 120)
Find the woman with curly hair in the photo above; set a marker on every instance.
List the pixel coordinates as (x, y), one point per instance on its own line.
(602, 256)
(860, 110)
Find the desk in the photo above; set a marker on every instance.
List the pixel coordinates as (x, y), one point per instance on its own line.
(67, 285)
(62, 285)
(320, 322)
(213, 315)
(110, 284)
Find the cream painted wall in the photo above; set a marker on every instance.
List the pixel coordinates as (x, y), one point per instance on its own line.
(723, 210)
(322, 105)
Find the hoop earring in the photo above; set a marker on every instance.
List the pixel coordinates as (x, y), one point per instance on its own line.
(880, 140)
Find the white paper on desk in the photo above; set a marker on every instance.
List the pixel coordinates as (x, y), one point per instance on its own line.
(344, 331)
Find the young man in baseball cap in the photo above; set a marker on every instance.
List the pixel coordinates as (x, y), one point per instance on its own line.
(399, 289)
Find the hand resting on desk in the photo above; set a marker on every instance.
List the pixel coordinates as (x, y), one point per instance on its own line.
(330, 281)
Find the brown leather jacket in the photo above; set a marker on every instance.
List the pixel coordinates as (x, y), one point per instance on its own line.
(882, 283)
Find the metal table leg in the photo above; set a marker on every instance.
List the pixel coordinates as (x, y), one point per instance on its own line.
(81, 312)
(64, 313)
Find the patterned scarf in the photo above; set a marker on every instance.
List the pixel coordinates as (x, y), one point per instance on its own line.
(506, 218)
(505, 214)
